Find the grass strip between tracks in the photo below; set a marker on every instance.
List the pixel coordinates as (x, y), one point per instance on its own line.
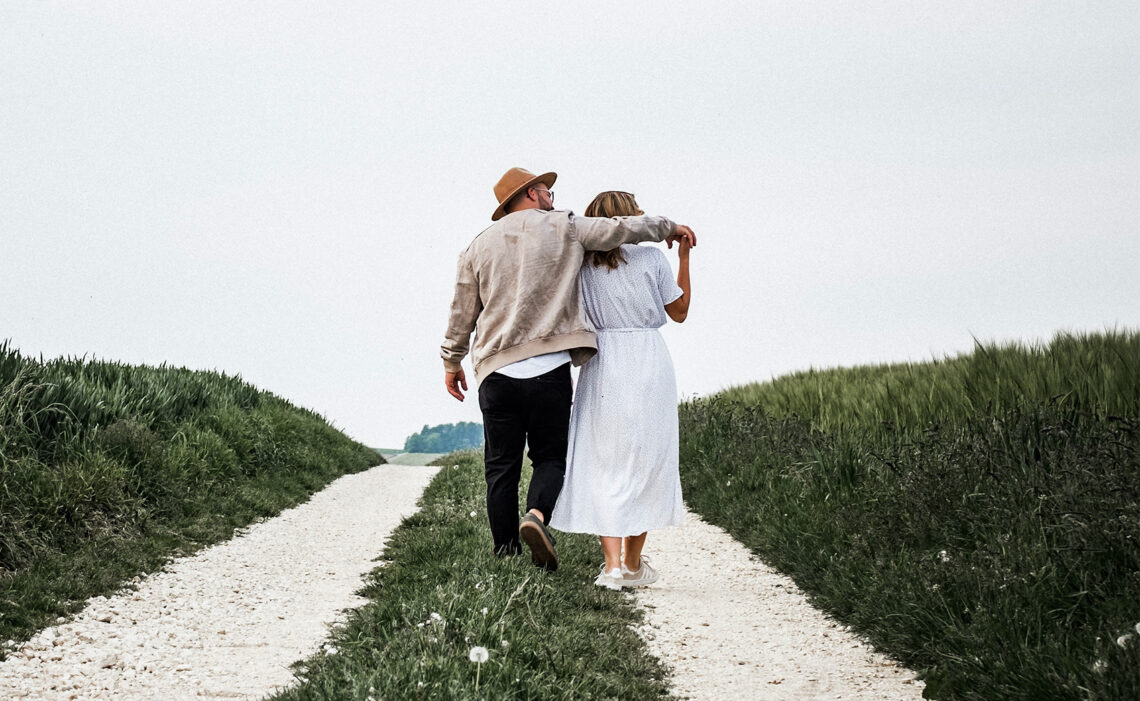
(440, 592)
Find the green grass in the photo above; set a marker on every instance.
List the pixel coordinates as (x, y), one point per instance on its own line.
(549, 635)
(108, 470)
(1095, 374)
(977, 518)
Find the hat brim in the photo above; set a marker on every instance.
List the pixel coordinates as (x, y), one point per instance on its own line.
(546, 179)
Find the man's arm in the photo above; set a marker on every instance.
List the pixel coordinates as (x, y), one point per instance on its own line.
(465, 309)
(604, 234)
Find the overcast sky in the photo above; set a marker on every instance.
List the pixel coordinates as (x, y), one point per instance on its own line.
(280, 190)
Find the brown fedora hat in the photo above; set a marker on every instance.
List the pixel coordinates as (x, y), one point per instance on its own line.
(513, 182)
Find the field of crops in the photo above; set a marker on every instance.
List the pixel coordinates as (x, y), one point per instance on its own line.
(977, 517)
(106, 470)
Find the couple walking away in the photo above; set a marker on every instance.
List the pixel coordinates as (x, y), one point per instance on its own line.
(542, 288)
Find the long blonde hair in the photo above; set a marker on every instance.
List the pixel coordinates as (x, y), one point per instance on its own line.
(612, 203)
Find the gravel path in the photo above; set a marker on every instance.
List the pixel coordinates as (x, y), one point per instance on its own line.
(731, 627)
(228, 621)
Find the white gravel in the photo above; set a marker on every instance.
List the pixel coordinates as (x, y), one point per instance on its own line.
(228, 621)
(731, 627)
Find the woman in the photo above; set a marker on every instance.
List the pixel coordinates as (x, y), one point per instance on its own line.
(621, 471)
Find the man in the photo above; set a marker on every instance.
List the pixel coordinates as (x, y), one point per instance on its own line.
(518, 283)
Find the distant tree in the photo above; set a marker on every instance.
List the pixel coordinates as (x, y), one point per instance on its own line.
(445, 438)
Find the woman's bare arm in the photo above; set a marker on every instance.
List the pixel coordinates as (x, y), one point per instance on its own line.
(678, 309)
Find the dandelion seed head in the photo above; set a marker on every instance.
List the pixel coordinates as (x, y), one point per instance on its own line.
(478, 654)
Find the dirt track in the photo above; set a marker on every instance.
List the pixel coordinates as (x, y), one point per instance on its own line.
(228, 622)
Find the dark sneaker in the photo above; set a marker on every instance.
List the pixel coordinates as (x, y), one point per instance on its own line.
(532, 531)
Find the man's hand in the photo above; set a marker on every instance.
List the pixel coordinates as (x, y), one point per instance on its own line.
(683, 233)
(454, 380)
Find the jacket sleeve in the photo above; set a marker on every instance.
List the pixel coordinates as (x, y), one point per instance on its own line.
(604, 234)
(465, 309)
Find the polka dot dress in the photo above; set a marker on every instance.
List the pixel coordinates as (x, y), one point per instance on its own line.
(621, 472)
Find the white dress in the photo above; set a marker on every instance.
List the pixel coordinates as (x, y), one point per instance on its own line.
(621, 468)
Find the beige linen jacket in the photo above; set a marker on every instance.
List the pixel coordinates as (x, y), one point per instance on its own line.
(517, 286)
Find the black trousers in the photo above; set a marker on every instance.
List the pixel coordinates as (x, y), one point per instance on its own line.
(533, 412)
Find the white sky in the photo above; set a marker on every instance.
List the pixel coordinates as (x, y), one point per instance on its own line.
(280, 190)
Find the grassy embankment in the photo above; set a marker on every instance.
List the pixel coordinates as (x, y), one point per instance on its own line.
(107, 470)
(976, 517)
(440, 592)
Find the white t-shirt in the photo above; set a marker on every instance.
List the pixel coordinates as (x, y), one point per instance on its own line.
(535, 365)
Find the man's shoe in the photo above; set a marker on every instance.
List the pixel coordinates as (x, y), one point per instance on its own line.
(609, 580)
(532, 531)
(644, 576)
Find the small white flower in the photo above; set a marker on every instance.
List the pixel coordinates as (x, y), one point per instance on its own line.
(472, 514)
(1099, 666)
(455, 467)
(436, 617)
(478, 654)
(1137, 632)
(421, 684)
(479, 585)
(943, 556)
(1124, 640)
(505, 644)
(728, 483)
(419, 625)
(484, 610)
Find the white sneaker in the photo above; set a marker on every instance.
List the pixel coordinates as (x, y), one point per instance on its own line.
(644, 576)
(610, 580)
